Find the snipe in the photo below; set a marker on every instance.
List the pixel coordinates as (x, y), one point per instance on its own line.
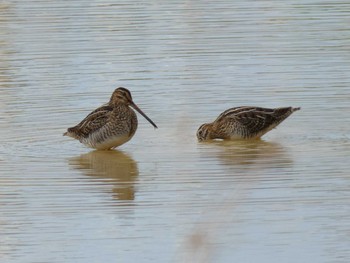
(244, 122)
(110, 125)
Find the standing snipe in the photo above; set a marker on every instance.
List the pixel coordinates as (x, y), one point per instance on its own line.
(244, 123)
(110, 125)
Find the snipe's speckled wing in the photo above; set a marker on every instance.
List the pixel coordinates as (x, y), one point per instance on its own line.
(94, 121)
(254, 119)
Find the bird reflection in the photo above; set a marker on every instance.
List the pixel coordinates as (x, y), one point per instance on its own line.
(253, 153)
(115, 165)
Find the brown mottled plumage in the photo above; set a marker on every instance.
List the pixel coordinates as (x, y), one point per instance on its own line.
(244, 122)
(110, 125)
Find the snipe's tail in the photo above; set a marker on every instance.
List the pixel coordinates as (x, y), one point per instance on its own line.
(70, 132)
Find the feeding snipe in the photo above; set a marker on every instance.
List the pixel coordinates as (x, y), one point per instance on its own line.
(244, 123)
(110, 125)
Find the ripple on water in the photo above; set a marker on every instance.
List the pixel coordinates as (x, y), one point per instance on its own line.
(184, 63)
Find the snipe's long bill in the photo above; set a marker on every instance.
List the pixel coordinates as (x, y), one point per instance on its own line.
(110, 125)
(244, 122)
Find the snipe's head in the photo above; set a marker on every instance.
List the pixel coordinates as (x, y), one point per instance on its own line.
(204, 132)
(123, 96)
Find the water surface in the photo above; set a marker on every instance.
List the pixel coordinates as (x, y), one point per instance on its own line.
(164, 197)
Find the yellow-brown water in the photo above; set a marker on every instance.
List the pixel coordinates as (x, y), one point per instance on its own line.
(164, 197)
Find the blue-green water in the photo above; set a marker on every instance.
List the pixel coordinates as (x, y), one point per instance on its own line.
(164, 197)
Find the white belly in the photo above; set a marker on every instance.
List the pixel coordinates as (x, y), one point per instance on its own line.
(108, 143)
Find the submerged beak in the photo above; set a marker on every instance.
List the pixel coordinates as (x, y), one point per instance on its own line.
(144, 115)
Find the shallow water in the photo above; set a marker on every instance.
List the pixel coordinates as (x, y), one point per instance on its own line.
(164, 197)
